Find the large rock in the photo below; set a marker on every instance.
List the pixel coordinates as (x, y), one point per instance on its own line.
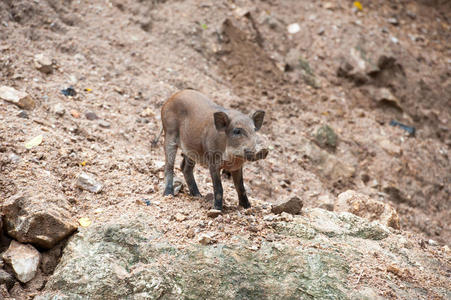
(38, 220)
(21, 99)
(23, 259)
(316, 256)
(365, 207)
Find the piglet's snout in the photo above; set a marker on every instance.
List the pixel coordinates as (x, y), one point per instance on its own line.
(261, 150)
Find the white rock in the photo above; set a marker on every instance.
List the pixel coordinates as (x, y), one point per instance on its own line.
(87, 182)
(21, 99)
(293, 28)
(24, 260)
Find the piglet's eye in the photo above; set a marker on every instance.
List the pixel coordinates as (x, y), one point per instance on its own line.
(237, 131)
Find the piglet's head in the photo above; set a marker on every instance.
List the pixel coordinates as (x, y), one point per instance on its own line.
(243, 140)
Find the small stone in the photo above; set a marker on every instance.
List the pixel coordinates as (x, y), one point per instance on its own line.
(321, 31)
(190, 234)
(148, 112)
(87, 182)
(24, 260)
(326, 137)
(292, 206)
(104, 124)
(213, 213)
(179, 217)
(43, 63)
(75, 113)
(206, 238)
(6, 278)
(390, 148)
(293, 28)
(329, 5)
(411, 14)
(59, 110)
(21, 99)
(13, 158)
(394, 40)
(269, 218)
(23, 114)
(432, 243)
(90, 115)
(384, 97)
(393, 21)
(286, 217)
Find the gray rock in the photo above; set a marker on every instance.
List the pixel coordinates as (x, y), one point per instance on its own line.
(87, 182)
(104, 124)
(43, 63)
(125, 259)
(292, 206)
(7, 279)
(90, 115)
(23, 259)
(21, 99)
(37, 219)
(23, 114)
(326, 137)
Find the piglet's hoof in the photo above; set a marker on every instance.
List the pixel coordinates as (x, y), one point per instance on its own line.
(213, 213)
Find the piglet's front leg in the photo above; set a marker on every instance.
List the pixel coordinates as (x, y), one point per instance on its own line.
(217, 186)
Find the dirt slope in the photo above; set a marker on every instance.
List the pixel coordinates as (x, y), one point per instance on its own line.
(125, 58)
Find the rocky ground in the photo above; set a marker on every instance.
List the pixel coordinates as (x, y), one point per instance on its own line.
(331, 87)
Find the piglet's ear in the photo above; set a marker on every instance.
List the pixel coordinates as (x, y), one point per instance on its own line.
(222, 120)
(258, 117)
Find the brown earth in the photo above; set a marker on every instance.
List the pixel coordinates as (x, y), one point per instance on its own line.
(125, 58)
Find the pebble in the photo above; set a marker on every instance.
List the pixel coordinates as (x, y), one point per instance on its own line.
(19, 98)
(87, 182)
(104, 124)
(179, 217)
(75, 113)
(293, 28)
(411, 14)
(432, 243)
(393, 21)
(90, 115)
(23, 114)
(206, 238)
(213, 213)
(14, 158)
(148, 112)
(43, 63)
(59, 110)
